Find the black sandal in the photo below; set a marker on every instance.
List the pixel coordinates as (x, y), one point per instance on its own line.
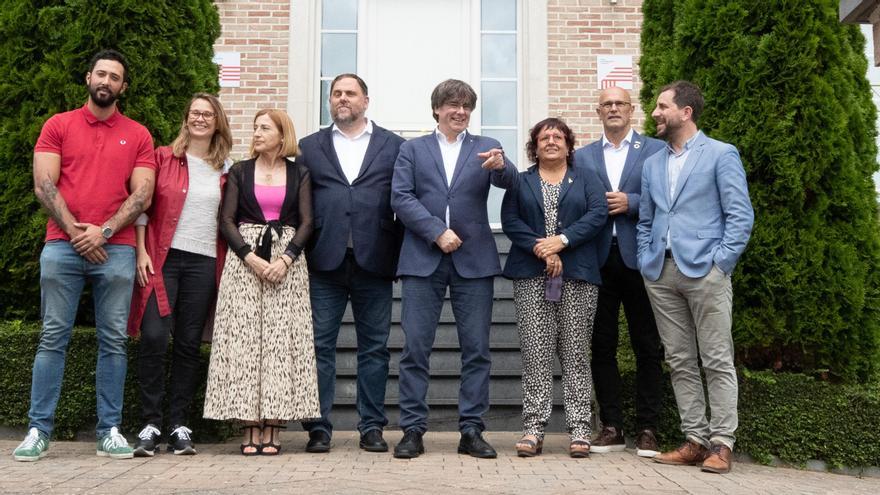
(258, 447)
(273, 428)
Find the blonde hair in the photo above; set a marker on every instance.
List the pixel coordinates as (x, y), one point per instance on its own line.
(221, 141)
(285, 125)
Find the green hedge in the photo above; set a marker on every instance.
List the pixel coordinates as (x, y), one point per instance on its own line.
(790, 416)
(76, 410)
(785, 82)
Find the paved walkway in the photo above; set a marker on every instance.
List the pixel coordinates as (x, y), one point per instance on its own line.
(72, 467)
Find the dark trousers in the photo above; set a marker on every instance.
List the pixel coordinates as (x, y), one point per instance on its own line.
(370, 297)
(624, 285)
(190, 282)
(422, 301)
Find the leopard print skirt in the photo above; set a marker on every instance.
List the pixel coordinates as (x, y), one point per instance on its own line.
(263, 353)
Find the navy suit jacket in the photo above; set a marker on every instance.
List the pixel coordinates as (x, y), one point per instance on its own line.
(580, 215)
(420, 196)
(709, 216)
(361, 209)
(592, 156)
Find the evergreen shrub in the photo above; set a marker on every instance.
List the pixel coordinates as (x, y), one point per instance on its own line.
(45, 47)
(785, 82)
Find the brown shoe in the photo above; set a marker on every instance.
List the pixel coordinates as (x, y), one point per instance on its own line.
(689, 454)
(646, 444)
(610, 439)
(719, 461)
(529, 446)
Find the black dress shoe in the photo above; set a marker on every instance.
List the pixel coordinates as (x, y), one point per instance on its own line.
(472, 444)
(319, 442)
(410, 446)
(372, 441)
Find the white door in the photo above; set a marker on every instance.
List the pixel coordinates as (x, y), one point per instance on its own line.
(410, 47)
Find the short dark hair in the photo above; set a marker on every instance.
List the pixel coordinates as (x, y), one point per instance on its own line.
(550, 123)
(111, 55)
(356, 77)
(452, 90)
(686, 94)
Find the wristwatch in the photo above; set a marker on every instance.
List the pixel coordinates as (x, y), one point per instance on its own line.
(563, 239)
(107, 232)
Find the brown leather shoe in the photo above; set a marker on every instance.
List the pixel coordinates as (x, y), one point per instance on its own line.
(719, 461)
(689, 454)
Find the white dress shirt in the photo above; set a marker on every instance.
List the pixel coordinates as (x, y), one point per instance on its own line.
(615, 159)
(351, 151)
(449, 152)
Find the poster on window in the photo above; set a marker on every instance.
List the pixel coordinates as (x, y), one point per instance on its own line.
(615, 70)
(230, 68)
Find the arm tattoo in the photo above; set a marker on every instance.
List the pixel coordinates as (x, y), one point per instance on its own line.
(53, 202)
(136, 203)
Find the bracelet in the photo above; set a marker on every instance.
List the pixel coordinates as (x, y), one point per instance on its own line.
(285, 262)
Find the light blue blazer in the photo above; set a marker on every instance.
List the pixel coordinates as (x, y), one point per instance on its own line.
(709, 215)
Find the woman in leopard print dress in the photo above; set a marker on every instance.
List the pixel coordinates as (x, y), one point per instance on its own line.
(552, 217)
(262, 369)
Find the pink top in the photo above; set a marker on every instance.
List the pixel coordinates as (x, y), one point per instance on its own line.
(270, 199)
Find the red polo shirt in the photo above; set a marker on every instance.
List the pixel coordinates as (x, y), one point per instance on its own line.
(97, 159)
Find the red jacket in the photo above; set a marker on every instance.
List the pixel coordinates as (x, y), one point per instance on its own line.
(172, 183)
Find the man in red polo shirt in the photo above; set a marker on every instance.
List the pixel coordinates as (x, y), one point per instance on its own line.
(93, 172)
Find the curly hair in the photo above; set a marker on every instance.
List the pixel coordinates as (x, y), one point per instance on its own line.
(550, 123)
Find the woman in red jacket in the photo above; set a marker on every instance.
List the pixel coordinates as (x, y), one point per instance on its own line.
(177, 260)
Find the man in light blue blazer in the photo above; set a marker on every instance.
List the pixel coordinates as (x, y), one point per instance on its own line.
(695, 219)
(439, 191)
(617, 158)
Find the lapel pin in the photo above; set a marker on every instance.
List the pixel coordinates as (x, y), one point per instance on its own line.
(570, 180)
(637, 144)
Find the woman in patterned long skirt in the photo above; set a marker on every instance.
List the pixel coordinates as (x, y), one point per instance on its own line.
(552, 217)
(262, 369)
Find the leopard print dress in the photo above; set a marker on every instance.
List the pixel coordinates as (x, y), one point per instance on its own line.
(263, 354)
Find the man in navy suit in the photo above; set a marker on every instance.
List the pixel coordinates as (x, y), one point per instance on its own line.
(439, 192)
(618, 157)
(352, 255)
(695, 220)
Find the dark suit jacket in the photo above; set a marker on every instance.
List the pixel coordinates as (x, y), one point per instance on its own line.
(593, 157)
(580, 216)
(361, 209)
(420, 196)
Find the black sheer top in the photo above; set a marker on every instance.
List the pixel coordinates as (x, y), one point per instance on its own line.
(240, 205)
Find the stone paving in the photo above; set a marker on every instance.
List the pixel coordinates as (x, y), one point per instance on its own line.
(73, 468)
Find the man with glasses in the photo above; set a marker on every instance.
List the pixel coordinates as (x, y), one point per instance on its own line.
(439, 191)
(93, 173)
(352, 254)
(695, 220)
(618, 157)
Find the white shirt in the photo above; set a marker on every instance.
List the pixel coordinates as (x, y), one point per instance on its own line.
(674, 164)
(449, 152)
(615, 159)
(351, 151)
(197, 228)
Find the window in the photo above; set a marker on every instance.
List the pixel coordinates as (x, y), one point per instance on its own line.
(339, 43)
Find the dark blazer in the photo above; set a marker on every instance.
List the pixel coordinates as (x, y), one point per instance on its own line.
(420, 196)
(593, 157)
(361, 209)
(581, 216)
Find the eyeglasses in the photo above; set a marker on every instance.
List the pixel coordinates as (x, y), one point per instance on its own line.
(195, 115)
(607, 105)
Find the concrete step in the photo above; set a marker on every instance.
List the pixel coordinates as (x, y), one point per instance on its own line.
(444, 417)
(502, 312)
(445, 361)
(501, 335)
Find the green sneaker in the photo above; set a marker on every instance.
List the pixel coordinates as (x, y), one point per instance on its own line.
(33, 447)
(114, 446)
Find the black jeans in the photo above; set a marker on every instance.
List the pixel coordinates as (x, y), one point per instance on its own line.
(190, 282)
(624, 285)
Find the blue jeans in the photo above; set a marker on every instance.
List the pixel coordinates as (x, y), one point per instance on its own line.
(63, 274)
(370, 297)
(422, 302)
